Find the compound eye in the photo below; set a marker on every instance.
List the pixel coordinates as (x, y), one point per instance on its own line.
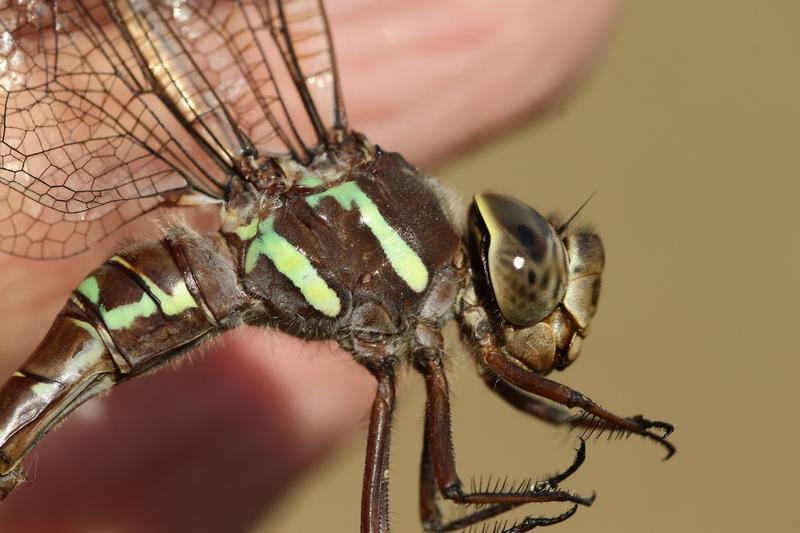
(527, 265)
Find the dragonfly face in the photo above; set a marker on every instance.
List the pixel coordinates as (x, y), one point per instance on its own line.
(540, 283)
(113, 108)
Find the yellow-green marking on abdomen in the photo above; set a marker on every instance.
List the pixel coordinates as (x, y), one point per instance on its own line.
(123, 316)
(405, 262)
(171, 304)
(293, 264)
(90, 289)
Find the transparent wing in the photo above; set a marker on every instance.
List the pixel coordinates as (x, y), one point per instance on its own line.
(83, 145)
(114, 107)
(235, 70)
(30, 229)
(301, 30)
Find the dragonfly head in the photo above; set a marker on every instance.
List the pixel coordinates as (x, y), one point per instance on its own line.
(538, 282)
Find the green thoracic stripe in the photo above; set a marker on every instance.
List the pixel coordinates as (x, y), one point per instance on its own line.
(293, 264)
(310, 180)
(405, 262)
(247, 231)
(123, 316)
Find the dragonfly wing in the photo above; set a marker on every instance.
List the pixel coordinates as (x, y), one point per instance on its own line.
(301, 30)
(112, 108)
(83, 147)
(248, 76)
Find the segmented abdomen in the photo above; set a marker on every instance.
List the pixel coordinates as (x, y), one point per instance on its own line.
(144, 305)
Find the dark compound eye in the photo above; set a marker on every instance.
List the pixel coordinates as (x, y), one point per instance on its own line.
(525, 235)
(526, 258)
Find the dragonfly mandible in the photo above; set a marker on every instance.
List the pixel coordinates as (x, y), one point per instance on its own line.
(113, 108)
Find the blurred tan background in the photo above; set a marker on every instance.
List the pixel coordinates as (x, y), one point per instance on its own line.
(688, 133)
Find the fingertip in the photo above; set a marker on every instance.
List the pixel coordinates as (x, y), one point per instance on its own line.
(207, 447)
(425, 79)
(329, 392)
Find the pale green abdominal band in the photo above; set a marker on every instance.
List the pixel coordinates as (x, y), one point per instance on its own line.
(45, 388)
(123, 316)
(294, 265)
(90, 289)
(171, 304)
(405, 262)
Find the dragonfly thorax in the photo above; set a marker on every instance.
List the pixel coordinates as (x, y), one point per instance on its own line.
(350, 244)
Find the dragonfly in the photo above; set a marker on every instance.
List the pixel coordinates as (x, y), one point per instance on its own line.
(115, 108)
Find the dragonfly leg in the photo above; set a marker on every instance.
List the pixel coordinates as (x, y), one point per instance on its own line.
(374, 496)
(594, 417)
(438, 471)
(433, 519)
(552, 414)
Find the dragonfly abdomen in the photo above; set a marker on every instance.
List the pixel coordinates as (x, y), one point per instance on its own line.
(144, 305)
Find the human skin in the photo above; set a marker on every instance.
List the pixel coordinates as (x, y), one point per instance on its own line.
(209, 447)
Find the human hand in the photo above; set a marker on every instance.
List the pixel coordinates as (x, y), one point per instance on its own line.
(209, 447)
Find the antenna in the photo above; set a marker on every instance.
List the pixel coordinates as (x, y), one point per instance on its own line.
(566, 224)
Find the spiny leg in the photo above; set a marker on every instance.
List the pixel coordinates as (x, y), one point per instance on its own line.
(439, 470)
(531, 522)
(431, 514)
(536, 407)
(525, 402)
(374, 495)
(535, 384)
(547, 412)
